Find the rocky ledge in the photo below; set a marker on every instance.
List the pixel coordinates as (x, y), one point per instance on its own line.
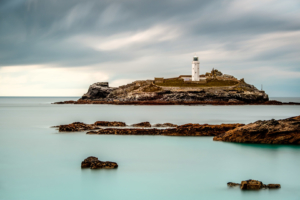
(79, 126)
(284, 131)
(184, 130)
(253, 185)
(94, 163)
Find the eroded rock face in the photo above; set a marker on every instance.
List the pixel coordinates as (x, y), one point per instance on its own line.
(253, 185)
(184, 130)
(94, 163)
(98, 90)
(142, 124)
(285, 131)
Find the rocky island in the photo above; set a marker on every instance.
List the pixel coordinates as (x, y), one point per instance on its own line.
(213, 88)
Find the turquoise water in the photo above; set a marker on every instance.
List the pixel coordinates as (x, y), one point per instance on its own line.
(39, 163)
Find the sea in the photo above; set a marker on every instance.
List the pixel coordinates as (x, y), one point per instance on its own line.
(39, 163)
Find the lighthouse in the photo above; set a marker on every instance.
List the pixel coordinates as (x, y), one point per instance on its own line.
(195, 69)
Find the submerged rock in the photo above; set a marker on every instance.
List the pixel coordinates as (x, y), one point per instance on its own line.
(253, 185)
(231, 184)
(285, 131)
(94, 163)
(273, 186)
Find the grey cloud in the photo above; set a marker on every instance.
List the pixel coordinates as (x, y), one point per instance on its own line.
(43, 32)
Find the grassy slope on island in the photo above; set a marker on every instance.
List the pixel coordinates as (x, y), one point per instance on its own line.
(209, 83)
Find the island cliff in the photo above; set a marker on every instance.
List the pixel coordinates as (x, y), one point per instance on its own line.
(215, 89)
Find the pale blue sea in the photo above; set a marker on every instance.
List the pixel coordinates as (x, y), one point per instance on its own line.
(39, 163)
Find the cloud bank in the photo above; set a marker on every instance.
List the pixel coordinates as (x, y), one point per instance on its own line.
(61, 47)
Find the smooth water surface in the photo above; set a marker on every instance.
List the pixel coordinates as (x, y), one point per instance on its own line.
(39, 163)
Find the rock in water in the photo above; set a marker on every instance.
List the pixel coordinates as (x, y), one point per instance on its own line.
(88, 161)
(93, 163)
(106, 123)
(184, 130)
(231, 184)
(285, 131)
(273, 186)
(165, 125)
(98, 90)
(253, 185)
(76, 126)
(142, 124)
(79, 126)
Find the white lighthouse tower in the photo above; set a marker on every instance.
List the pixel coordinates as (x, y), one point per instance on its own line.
(195, 69)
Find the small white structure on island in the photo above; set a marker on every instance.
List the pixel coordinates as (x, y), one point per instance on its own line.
(195, 69)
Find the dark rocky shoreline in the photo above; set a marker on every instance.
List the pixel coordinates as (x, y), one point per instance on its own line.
(273, 102)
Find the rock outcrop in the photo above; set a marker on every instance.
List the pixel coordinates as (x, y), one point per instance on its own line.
(253, 185)
(106, 123)
(76, 126)
(184, 130)
(142, 124)
(98, 90)
(165, 125)
(79, 126)
(94, 163)
(285, 131)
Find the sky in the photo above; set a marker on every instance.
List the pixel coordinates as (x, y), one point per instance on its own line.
(60, 47)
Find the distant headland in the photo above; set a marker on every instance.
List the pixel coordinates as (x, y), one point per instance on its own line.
(214, 88)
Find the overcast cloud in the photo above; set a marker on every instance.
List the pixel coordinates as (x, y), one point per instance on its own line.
(55, 47)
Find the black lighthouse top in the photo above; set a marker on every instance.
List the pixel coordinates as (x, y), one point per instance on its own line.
(195, 58)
